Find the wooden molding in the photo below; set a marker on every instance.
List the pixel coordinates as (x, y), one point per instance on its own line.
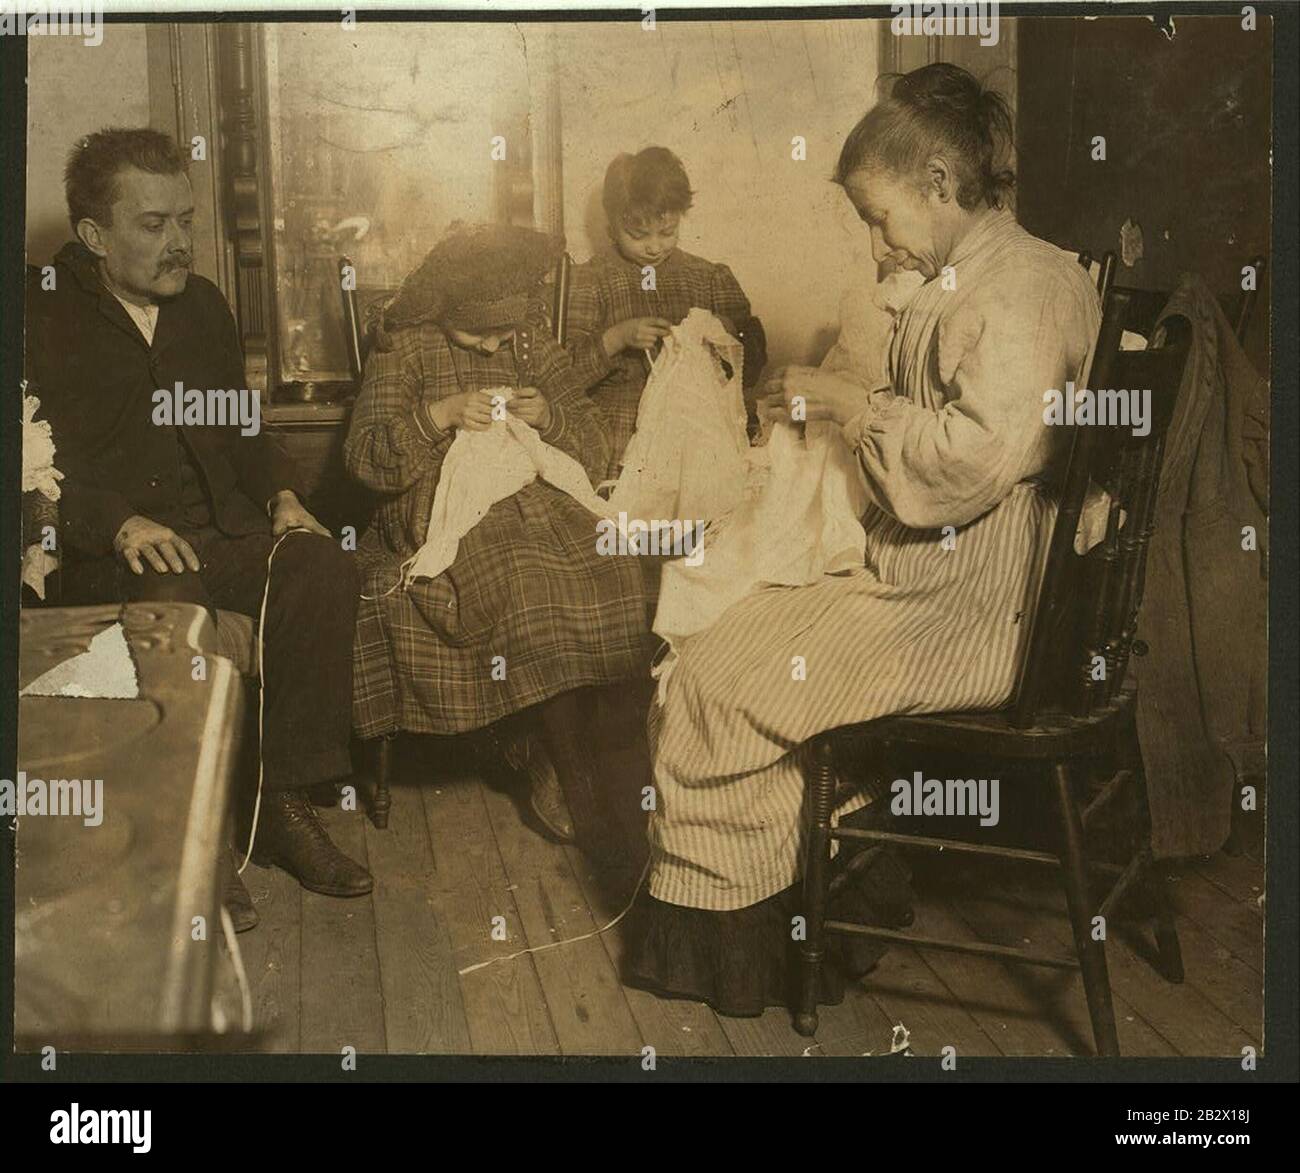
(547, 132)
(183, 92)
(247, 200)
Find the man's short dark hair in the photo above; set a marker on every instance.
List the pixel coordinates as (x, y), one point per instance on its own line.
(90, 178)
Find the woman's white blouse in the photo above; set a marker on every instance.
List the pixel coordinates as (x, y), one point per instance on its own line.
(1014, 317)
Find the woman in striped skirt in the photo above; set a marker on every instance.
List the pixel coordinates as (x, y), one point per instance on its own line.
(959, 464)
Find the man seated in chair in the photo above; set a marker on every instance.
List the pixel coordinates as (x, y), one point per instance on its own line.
(158, 506)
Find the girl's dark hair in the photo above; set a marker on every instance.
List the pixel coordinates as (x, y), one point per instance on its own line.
(90, 177)
(937, 109)
(642, 187)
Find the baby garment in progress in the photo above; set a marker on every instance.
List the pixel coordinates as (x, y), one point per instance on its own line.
(805, 520)
(688, 460)
(804, 524)
(482, 468)
(689, 456)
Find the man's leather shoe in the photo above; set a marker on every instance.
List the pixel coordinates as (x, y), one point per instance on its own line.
(235, 897)
(290, 834)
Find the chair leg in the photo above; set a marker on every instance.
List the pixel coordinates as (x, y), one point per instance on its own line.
(1092, 953)
(1169, 952)
(382, 800)
(812, 951)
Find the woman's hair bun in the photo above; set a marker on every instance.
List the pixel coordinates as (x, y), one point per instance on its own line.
(939, 107)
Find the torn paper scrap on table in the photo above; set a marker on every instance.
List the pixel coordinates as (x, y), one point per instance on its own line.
(105, 669)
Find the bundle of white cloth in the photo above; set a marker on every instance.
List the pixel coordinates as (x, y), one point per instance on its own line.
(785, 512)
(804, 522)
(688, 459)
(39, 475)
(482, 468)
(802, 525)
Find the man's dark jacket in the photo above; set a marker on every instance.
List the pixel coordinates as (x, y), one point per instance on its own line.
(95, 376)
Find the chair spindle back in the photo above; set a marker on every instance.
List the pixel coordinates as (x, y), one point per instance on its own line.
(1084, 623)
(560, 304)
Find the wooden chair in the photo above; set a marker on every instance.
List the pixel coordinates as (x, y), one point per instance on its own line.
(1061, 717)
(381, 801)
(1240, 310)
(355, 334)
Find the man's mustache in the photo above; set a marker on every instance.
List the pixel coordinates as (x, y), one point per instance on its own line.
(182, 262)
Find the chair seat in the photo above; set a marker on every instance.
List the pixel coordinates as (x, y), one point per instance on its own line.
(1052, 736)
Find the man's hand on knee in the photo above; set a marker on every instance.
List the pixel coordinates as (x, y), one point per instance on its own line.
(142, 540)
(287, 513)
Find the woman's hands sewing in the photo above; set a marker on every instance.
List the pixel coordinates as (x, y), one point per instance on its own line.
(799, 394)
(471, 410)
(531, 406)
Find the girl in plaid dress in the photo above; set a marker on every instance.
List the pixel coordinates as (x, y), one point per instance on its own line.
(624, 302)
(529, 611)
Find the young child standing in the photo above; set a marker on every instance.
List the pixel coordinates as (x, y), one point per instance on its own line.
(624, 301)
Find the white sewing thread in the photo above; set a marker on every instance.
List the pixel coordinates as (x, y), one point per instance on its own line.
(261, 692)
(568, 940)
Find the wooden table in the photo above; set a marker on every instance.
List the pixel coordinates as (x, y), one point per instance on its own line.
(106, 955)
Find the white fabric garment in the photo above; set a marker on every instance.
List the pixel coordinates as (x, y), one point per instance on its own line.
(688, 458)
(482, 468)
(804, 522)
(803, 525)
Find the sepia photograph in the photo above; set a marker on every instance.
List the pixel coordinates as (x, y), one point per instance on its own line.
(647, 536)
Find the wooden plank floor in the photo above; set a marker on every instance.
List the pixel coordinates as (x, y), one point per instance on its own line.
(462, 878)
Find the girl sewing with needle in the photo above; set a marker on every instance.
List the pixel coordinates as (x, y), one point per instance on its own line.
(528, 611)
(626, 300)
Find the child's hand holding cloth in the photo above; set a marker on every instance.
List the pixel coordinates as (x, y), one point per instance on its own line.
(531, 406)
(469, 411)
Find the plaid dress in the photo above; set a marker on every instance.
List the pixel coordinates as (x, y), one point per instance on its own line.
(528, 609)
(607, 290)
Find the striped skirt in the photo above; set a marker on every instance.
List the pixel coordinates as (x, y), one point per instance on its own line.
(936, 620)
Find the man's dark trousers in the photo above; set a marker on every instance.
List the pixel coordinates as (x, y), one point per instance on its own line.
(307, 637)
